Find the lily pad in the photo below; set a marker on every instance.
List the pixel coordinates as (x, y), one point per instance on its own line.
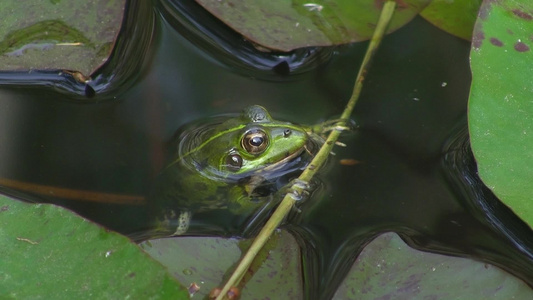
(287, 25)
(455, 17)
(63, 35)
(389, 269)
(206, 261)
(51, 253)
(500, 106)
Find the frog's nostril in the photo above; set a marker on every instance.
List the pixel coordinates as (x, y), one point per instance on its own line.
(287, 133)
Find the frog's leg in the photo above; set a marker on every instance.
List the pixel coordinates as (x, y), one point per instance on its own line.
(172, 224)
(298, 189)
(335, 124)
(184, 220)
(253, 183)
(241, 198)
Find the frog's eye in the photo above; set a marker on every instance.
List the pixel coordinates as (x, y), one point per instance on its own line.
(255, 141)
(234, 162)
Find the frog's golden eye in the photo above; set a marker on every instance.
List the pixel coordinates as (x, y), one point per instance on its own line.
(255, 141)
(234, 162)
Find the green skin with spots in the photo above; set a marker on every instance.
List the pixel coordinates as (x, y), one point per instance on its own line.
(217, 167)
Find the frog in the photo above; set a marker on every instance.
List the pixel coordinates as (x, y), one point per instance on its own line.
(230, 163)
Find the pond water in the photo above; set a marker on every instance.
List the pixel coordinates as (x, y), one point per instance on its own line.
(415, 174)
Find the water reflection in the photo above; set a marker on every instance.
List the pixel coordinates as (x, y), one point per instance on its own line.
(227, 47)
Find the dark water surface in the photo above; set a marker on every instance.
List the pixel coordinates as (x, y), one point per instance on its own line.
(416, 174)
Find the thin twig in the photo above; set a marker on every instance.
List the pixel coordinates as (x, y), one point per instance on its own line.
(297, 189)
(27, 240)
(72, 194)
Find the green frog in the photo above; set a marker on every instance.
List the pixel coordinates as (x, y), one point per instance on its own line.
(231, 164)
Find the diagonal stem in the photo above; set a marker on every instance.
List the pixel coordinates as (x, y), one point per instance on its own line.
(297, 189)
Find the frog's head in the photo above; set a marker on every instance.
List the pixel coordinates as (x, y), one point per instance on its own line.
(248, 144)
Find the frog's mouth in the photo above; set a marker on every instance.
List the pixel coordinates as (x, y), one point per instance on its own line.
(292, 162)
(280, 164)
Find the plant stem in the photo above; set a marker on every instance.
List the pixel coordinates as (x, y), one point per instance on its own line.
(297, 189)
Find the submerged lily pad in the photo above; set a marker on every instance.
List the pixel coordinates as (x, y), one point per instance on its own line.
(63, 35)
(389, 269)
(51, 253)
(287, 25)
(500, 106)
(206, 261)
(455, 17)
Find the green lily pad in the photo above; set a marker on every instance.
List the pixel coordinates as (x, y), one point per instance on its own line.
(63, 35)
(51, 253)
(500, 112)
(206, 261)
(455, 17)
(389, 269)
(287, 25)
